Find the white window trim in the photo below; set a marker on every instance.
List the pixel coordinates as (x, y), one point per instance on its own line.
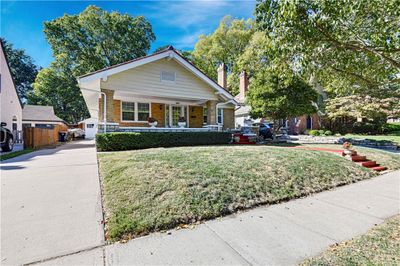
(169, 106)
(222, 116)
(136, 112)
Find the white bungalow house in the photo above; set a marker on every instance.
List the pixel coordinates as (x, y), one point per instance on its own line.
(11, 106)
(164, 86)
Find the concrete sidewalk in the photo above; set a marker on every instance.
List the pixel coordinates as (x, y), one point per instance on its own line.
(50, 204)
(282, 234)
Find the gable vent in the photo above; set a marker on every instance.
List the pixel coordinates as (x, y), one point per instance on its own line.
(168, 76)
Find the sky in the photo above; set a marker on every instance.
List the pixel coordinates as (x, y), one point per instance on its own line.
(178, 23)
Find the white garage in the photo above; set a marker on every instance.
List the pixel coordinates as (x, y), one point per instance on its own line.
(90, 126)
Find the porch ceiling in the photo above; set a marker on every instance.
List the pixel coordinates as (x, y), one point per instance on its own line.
(126, 96)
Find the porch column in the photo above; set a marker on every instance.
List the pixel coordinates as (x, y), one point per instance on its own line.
(109, 106)
(212, 112)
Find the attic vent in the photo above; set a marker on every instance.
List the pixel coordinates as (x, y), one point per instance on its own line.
(167, 76)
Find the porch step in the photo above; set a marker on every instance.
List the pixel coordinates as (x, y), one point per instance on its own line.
(379, 168)
(368, 164)
(358, 158)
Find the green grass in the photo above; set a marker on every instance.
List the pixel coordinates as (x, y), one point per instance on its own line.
(394, 137)
(15, 154)
(380, 246)
(157, 189)
(385, 158)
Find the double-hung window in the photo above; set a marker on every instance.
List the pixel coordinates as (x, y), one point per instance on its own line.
(220, 116)
(134, 111)
(143, 111)
(128, 111)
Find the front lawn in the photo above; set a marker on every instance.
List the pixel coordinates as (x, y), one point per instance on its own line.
(380, 246)
(15, 154)
(156, 189)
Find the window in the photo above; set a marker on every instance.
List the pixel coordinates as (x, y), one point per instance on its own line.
(128, 111)
(220, 116)
(90, 126)
(205, 115)
(48, 126)
(143, 111)
(132, 111)
(168, 76)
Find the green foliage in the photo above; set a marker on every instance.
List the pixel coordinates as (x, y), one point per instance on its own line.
(15, 154)
(391, 128)
(328, 133)
(22, 67)
(348, 47)
(224, 45)
(95, 39)
(82, 43)
(119, 141)
(279, 97)
(57, 87)
(313, 132)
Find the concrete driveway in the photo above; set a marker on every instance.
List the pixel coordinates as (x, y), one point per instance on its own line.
(50, 204)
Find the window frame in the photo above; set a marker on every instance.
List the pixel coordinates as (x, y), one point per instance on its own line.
(136, 111)
(166, 80)
(222, 116)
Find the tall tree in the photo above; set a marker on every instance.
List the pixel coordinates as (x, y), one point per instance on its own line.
(224, 45)
(82, 43)
(280, 97)
(349, 46)
(22, 67)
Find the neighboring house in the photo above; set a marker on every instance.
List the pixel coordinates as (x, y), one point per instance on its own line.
(164, 86)
(41, 117)
(296, 125)
(11, 106)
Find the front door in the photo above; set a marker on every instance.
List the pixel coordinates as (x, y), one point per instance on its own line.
(172, 114)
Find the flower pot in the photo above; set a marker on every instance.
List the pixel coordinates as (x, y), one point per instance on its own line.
(182, 124)
(153, 124)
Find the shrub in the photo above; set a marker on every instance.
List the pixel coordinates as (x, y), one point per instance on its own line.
(391, 128)
(120, 141)
(328, 133)
(321, 132)
(313, 132)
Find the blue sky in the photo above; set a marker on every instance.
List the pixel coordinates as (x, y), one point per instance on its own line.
(174, 22)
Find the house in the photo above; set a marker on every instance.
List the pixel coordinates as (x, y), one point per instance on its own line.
(295, 125)
(41, 117)
(164, 86)
(11, 106)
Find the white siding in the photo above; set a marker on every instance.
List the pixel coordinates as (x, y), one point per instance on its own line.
(146, 80)
(10, 105)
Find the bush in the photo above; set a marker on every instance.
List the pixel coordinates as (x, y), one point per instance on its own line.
(391, 128)
(321, 132)
(328, 133)
(313, 132)
(120, 141)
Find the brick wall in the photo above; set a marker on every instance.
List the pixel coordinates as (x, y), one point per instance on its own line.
(157, 111)
(195, 116)
(229, 118)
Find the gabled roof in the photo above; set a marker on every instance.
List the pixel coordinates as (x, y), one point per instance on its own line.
(169, 52)
(40, 113)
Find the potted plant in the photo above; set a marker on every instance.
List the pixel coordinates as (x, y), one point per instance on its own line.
(152, 122)
(182, 122)
(347, 149)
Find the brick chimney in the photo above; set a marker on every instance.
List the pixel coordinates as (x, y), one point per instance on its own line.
(243, 84)
(222, 76)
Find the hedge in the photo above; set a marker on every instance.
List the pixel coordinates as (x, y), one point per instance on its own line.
(120, 141)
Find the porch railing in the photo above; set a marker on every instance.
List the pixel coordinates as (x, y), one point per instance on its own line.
(113, 127)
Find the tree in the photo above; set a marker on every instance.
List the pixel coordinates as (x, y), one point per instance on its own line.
(279, 97)
(83, 43)
(56, 86)
(224, 45)
(362, 114)
(349, 47)
(22, 67)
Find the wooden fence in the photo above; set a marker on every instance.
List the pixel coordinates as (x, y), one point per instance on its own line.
(41, 137)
